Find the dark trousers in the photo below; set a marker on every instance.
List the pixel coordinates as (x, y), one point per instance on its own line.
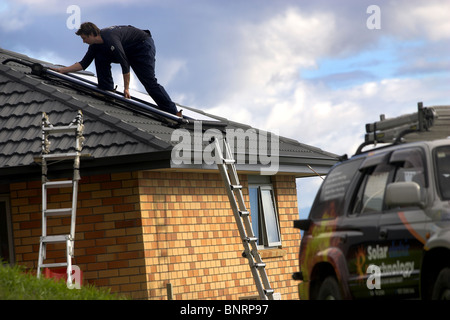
(142, 60)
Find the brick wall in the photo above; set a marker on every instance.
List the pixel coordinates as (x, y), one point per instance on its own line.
(108, 244)
(191, 239)
(138, 232)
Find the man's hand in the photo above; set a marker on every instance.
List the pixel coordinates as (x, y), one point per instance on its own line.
(126, 84)
(73, 68)
(126, 94)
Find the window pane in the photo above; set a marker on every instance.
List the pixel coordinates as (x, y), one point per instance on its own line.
(374, 193)
(270, 218)
(411, 168)
(442, 159)
(254, 209)
(333, 190)
(375, 188)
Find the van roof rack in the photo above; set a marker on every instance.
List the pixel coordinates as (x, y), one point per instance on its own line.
(393, 130)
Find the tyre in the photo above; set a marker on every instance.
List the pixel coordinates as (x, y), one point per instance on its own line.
(441, 290)
(329, 290)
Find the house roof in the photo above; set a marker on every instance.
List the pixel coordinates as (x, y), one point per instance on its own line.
(116, 132)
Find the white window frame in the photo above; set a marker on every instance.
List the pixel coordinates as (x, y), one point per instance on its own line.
(267, 220)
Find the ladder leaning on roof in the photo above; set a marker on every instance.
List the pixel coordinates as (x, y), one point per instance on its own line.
(227, 168)
(76, 127)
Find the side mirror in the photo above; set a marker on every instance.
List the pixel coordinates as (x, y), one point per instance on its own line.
(403, 194)
(302, 224)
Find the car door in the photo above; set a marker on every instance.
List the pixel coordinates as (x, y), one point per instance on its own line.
(362, 222)
(402, 229)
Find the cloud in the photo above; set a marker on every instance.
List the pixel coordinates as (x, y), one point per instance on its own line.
(268, 90)
(12, 17)
(169, 69)
(275, 50)
(268, 60)
(426, 19)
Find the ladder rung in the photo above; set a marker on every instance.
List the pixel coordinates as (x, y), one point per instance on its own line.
(243, 213)
(259, 265)
(229, 161)
(60, 156)
(56, 239)
(269, 291)
(237, 187)
(54, 265)
(250, 239)
(58, 212)
(59, 184)
(60, 129)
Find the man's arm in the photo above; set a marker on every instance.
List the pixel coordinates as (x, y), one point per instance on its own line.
(73, 68)
(126, 84)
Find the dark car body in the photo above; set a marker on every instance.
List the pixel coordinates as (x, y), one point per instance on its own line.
(380, 227)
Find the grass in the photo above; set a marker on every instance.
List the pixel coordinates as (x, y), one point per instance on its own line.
(16, 284)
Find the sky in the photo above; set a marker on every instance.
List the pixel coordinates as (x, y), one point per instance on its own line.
(315, 71)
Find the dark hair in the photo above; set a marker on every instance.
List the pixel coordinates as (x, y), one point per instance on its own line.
(88, 28)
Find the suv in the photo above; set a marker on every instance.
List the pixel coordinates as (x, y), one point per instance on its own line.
(380, 226)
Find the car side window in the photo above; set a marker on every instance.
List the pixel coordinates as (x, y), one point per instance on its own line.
(410, 166)
(442, 161)
(333, 190)
(370, 195)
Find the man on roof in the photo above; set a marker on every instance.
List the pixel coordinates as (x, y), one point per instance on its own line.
(131, 48)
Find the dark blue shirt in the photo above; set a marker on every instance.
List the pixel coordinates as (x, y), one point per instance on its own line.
(117, 42)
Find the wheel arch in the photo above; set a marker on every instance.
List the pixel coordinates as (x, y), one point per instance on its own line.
(330, 262)
(433, 262)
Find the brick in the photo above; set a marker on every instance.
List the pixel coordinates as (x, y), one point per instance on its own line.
(118, 264)
(104, 225)
(18, 186)
(95, 250)
(114, 233)
(124, 207)
(97, 266)
(92, 218)
(121, 176)
(105, 241)
(101, 194)
(111, 185)
(112, 201)
(89, 187)
(128, 223)
(127, 239)
(100, 178)
(94, 234)
(30, 225)
(108, 273)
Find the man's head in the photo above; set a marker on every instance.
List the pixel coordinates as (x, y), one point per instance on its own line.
(88, 32)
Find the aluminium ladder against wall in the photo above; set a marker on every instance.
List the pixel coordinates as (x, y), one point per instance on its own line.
(227, 168)
(75, 127)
